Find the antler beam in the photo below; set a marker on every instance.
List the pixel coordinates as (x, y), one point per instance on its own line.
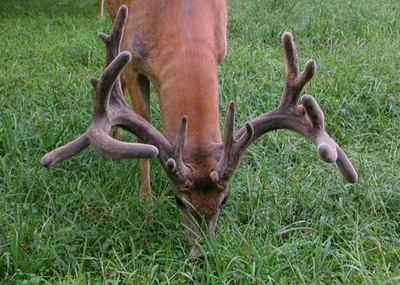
(306, 119)
(110, 109)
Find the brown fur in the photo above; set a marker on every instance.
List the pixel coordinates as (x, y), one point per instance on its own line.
(177, 46)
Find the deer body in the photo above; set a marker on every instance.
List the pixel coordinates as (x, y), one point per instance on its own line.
(177, 46)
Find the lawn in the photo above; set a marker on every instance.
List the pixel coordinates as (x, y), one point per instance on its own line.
(291, 218)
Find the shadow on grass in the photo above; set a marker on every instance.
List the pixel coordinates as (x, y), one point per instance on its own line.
(47, 8)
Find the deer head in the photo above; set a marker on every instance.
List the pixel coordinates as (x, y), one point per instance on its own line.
(200, 176)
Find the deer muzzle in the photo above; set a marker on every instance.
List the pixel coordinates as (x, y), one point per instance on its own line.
(200, 228)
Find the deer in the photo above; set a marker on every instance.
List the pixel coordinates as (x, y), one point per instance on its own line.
(101, 9)
(177, 46)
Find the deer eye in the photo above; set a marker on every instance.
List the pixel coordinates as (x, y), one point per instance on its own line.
(182, 204)
(179, 202)
(223, 202)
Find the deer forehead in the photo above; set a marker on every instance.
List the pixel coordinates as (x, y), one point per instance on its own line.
(202, 184)
(204, 200)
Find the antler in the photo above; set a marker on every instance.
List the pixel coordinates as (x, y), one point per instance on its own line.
(306, 119)
(110, 109)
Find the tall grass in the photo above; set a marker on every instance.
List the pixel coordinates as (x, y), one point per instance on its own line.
(291, 219)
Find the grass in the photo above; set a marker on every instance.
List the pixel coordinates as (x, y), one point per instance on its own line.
(291, 219)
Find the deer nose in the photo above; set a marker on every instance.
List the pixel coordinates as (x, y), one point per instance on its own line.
(204, 228)
(206, 220)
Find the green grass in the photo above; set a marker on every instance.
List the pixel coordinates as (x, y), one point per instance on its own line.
(291, 218)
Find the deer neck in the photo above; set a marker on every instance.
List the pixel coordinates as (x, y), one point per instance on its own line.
(182, 63)
(189, 87)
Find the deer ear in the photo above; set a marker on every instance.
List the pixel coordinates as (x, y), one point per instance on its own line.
(214, 176)
(222, 182)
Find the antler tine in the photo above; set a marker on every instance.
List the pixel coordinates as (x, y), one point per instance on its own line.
(326, 146)
(295, 80)
(233, 149)
(175, 165)
(113, 41)
(106, 82)
(103, 122)
(306, 119)
(113, 48)
(66, 151)
(345, 166)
